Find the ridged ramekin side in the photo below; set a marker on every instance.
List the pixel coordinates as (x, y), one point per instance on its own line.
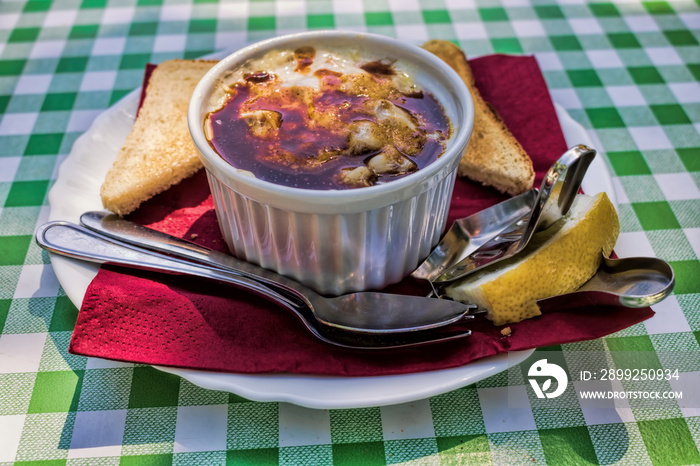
(335, 253)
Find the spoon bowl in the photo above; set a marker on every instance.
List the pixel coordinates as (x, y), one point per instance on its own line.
(633, 282)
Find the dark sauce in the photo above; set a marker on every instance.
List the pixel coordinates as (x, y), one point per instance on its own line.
(304, 57)
(379, 68)
(300, 156)
(258, 77)
(328, 78)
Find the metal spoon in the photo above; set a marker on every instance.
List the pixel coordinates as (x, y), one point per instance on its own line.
(633, 282)
(368, 313)
(467, 234)
(629, 282)
(555, 197)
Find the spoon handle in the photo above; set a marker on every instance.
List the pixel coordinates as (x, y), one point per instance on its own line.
(119, 229)
(632, 281)
(77, 242)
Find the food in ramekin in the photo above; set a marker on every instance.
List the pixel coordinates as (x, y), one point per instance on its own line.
(326, 118)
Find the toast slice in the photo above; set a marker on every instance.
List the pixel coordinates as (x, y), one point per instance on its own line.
(158, 152)
(493, 157)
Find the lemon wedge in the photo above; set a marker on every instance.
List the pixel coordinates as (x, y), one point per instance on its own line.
(557, 260)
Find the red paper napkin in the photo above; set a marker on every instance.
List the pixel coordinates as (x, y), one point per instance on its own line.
(180, 321)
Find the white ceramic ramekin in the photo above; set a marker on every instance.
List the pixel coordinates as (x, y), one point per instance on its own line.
(340, 240)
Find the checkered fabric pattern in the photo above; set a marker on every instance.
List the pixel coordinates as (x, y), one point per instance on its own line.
(627, 71)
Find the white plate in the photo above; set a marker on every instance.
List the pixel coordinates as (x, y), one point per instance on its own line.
(76, 190)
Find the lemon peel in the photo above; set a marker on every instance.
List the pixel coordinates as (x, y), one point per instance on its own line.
(556, 261)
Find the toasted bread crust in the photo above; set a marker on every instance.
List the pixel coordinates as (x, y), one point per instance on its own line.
(158, 152)
(493, 157)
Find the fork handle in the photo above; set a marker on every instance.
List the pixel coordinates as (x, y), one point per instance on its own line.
(125, 231)
(78, 242)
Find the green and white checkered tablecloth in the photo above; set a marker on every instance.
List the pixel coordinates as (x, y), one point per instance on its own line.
(628, 71)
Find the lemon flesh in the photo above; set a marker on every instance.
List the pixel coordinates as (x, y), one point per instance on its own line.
(557, 260)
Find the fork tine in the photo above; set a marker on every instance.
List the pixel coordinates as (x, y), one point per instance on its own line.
(390, 341)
